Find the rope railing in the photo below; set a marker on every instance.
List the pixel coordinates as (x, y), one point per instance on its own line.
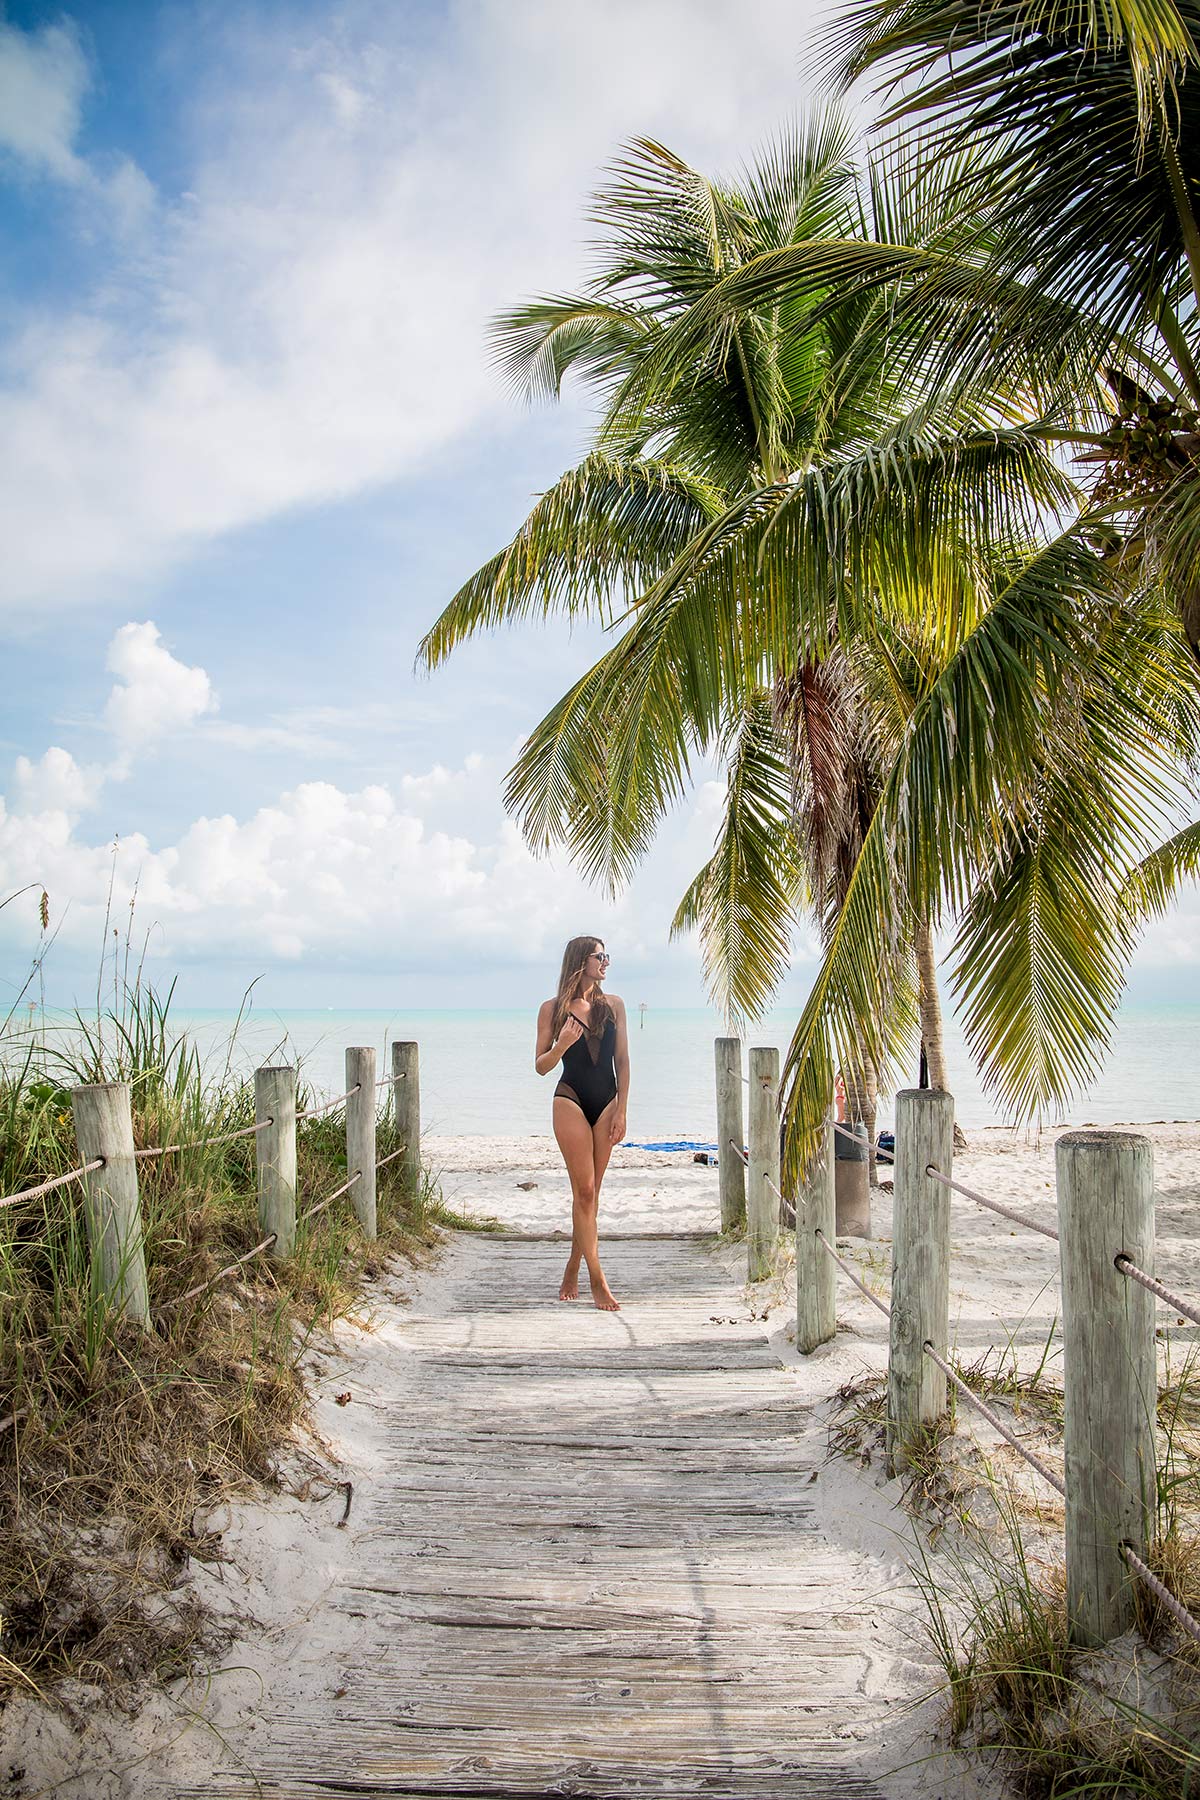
(224, 1137)
(738, 1151)
(1128, 1267)
(844, 1266)
(55, 1181)
(222, 1275)
(1178, 1611)
(314, 1112)
(783, 1200)
(880, 1155)
(330, 1198)
(997, 1424)
(1005, 1212)
(346, 1186)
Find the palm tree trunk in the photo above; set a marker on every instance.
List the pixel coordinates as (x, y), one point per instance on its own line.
(930, 1009)
(862, 1096)
(930, 1006)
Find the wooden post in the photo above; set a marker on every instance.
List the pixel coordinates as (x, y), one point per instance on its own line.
(1106, 1207)
(104, 1127)
(920, 1267)
(275, 1156)
(816, 1272)
(406, 1110)
(360, 1133)
(731, 1170)
(762, 1202)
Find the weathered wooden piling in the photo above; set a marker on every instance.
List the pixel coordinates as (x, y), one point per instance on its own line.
(816, 1271)
(275, 1156)
(1106, 1208)
(762, 1202)
(406, 1109)
(360, 1133)
(731, 1170)
(104, 1128)
(920, 1267)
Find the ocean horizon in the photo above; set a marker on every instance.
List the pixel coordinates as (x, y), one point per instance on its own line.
(478, 1079)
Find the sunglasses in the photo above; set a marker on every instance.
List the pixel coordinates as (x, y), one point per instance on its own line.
(601, 956)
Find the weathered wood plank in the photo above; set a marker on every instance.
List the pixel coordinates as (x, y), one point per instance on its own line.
(588, 1563)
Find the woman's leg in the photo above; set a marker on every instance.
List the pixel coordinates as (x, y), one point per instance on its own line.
(602, 1149)
(576, 1141)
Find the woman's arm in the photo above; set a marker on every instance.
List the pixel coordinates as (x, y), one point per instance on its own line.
(621, 1061)
(550, 1050)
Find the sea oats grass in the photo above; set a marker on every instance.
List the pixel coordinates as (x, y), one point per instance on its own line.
(126, 1440)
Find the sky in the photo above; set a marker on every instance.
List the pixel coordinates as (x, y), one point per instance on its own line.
(251, 442)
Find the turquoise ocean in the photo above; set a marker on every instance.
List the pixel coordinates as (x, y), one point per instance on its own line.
(477, 1074)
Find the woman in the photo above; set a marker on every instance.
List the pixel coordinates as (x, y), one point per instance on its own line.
(583, 1028)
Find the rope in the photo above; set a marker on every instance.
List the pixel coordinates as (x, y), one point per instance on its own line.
(231, 1270)
(336, 1195)
(1176, 1608)
(387, 1159)
(56, 1181)
(997, 1424)
(880, 1155)
(314, 1112)
(226, 1137)
(782, 1199)
(738, 1151)
(847, 1270)
(1130, 1268)
(1005, 1212)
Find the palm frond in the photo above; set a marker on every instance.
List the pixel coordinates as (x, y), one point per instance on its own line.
(602, 534)
(1153, 885)
(745, 899)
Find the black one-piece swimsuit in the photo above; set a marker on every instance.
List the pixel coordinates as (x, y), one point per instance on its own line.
(590, 1075)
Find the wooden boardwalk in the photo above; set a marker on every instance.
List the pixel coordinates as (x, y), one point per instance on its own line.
(594, 1566)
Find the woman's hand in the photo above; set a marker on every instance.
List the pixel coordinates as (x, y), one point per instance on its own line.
(616, 1128)
(570, 1034)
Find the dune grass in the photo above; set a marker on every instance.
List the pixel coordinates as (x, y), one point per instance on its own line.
(1122, 1723)
(123, 1440)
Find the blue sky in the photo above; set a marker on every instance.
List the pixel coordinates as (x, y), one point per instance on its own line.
(251, 444)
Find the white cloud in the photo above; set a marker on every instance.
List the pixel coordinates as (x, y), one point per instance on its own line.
(56, 783)
(155, 692)
(320, 873)
(308, 320)
(43, 80)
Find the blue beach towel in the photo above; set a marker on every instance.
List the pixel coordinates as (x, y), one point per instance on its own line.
(672, 1144)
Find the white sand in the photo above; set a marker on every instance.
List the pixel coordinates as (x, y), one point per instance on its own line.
(286, 1555)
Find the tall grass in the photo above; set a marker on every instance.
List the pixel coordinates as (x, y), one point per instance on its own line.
(124, 1438)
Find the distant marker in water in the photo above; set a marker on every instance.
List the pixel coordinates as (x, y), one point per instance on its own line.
(641, 1015)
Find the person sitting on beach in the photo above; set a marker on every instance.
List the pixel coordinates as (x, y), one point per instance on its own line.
(584, 1029)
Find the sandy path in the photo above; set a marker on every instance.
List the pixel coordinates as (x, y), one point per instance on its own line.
(598, 1556)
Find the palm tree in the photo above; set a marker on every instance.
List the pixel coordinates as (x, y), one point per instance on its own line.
(1071, 139)
(761, 660)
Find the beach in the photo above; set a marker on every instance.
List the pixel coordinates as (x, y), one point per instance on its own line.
(279, 1592)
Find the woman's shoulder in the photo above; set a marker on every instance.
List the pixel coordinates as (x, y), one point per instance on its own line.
(547, 1006)
(616, 1002)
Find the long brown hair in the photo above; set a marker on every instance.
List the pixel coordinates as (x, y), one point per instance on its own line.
(571, 984)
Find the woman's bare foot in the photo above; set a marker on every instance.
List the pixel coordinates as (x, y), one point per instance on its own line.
(602, 1296)
(570, 1283)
